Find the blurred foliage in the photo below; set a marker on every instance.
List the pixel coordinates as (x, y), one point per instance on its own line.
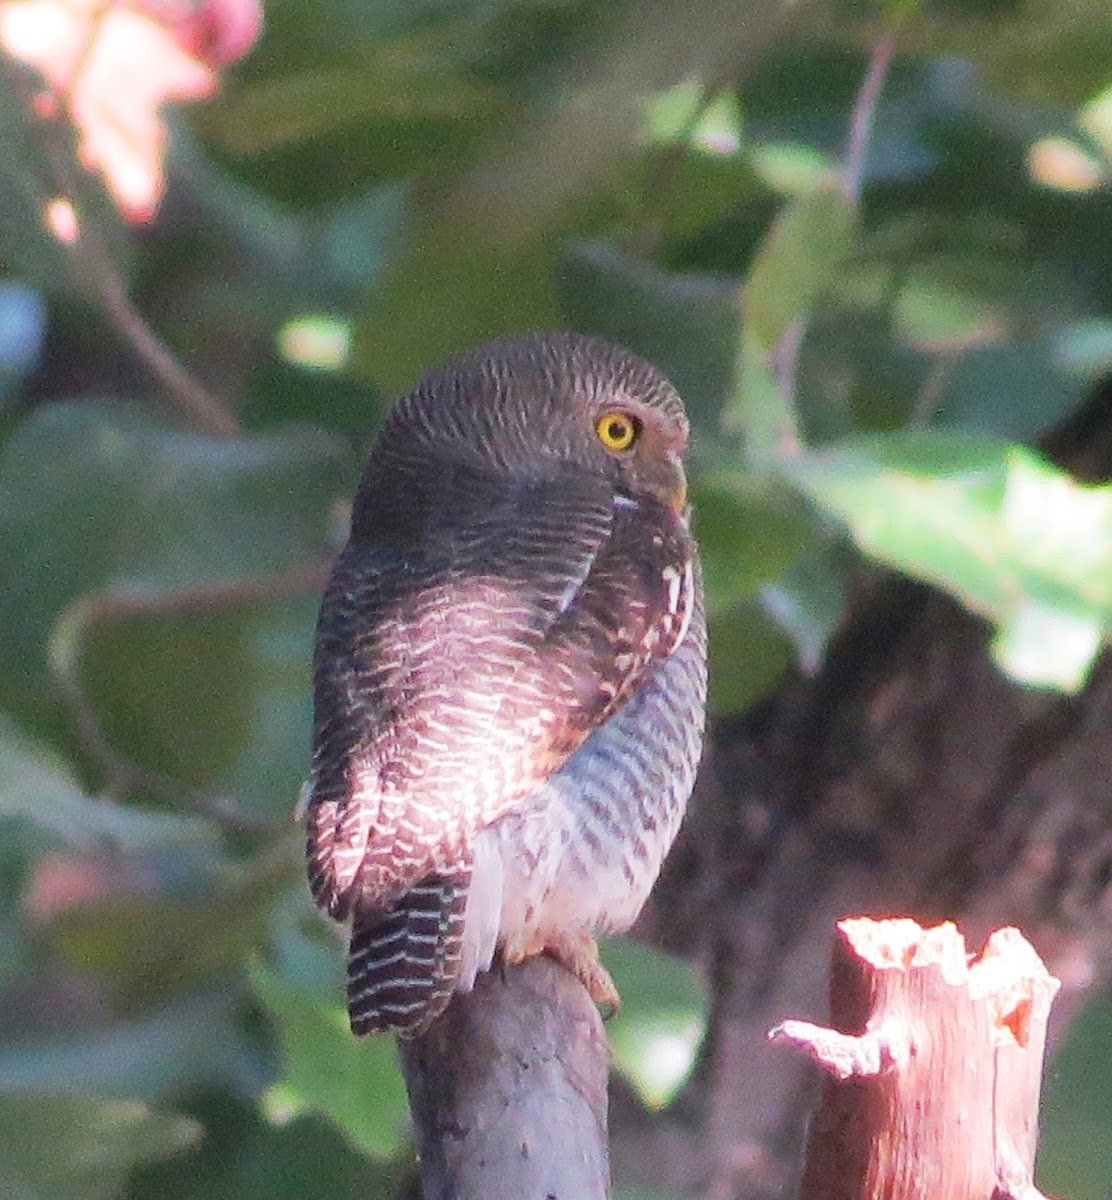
(379, 184)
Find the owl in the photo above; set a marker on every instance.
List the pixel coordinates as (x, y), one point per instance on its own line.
(509, 675)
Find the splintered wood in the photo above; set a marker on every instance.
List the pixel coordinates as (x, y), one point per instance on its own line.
(935, 1064)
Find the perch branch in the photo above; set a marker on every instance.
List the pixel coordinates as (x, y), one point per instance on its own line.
(508, 1091)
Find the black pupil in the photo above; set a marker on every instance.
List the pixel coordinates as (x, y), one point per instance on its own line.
(617, 430)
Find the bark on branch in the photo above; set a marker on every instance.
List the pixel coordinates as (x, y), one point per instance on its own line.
(508, 1091)
(935, 1066)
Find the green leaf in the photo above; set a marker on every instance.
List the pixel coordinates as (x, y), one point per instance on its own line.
(401, 78)
(658, 1031)
(952, 304)
(801, 256)
(452, 289)
(1075, 1154)
(1058, 54)
(106, 511)
(354, 1082)
(150, 676)
(192, 930)
(29, 180)
(1009, 535)
(762, 409)
(193, 1040)
(790, 168)
(1040, 388)
(94, 495)
(808, 601)
(246, 1156)
(749, 652)
(68, 1146)
(37, 785)
(266, 772)
(670, 115)
(749, 532)
(799, 259)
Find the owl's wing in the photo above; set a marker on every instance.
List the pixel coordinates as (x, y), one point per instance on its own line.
(460, 663)
(426, 627)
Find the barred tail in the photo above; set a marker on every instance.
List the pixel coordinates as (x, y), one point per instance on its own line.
(403, 966)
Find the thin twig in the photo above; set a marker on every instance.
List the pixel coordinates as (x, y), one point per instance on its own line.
(864, 115)
(205, 413)
(784, 362)
(937, 378)
(786, 354)
(96, 270)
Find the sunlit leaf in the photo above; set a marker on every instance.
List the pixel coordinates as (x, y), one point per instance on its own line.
(947, 306)
(1011, 536)
(791, 168)
(661, 1022)
(798, 260)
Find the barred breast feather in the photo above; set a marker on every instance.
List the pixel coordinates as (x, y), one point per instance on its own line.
(587, 846)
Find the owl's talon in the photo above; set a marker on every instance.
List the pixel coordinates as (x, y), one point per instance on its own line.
(576, 951)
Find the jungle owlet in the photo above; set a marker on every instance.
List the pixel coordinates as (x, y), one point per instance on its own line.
(509, 677)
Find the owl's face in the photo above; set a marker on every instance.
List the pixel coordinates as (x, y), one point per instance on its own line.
(640, 445)
(524, 407)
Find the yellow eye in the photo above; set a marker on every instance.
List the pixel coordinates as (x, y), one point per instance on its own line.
(617, 430)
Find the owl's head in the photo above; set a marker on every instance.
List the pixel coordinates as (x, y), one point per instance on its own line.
(526, 406)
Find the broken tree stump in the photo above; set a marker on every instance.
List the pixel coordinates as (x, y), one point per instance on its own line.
(934, 1064)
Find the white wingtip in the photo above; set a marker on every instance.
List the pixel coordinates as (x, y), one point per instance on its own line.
(483, 916)
(303, 798)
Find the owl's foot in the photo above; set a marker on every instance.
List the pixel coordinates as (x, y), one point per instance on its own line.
(577, 951)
